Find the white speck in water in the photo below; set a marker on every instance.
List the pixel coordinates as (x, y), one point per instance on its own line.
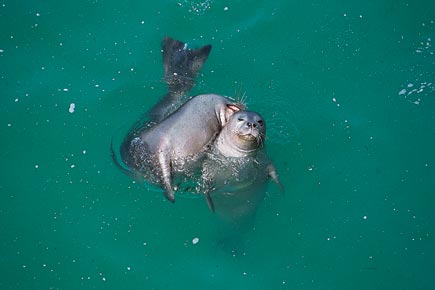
(36, 166)
(334, 100)
(84, 151)
(310, 167)
(72, 107)
(142, 22)
(128, 268)
(37, 14)
(195, 241)
(1, 50)
(9, 125)
(365, 217)
(65, 90)
(226, 8)
(402, 92)
(410, 85)
(72, 166)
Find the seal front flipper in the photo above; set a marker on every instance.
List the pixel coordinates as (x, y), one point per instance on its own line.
(181, 66)
(209, 201)
(165, 168)
(271, 170)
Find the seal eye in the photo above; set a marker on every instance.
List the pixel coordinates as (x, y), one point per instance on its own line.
(260, 122)
(240, 119)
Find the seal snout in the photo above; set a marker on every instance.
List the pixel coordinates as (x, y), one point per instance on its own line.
(251, 125)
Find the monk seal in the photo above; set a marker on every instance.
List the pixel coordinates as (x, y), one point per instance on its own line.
(176, 134)
(237, 164)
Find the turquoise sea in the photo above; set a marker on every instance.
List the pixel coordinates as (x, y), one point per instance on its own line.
(347, 89)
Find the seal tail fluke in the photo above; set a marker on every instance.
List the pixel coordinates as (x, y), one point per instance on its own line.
(181, 65)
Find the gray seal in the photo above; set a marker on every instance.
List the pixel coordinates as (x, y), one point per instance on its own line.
(238, 164)
(176, 134)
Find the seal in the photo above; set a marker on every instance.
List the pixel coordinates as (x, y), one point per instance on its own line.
(237, 162)
(177, 133)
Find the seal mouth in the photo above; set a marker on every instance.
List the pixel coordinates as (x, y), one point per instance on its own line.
(247, 137)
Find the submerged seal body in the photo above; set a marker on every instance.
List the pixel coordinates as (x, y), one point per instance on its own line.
(238, 164)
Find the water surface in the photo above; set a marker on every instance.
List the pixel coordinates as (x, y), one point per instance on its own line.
(347, 89)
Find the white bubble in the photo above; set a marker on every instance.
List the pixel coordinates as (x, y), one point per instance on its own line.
(195, 241)
(72, 107)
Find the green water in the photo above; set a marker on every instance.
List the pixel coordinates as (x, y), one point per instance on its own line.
(347, 89)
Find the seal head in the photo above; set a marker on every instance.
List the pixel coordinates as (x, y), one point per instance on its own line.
(243, 135)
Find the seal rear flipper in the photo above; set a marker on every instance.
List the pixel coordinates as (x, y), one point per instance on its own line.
(181, 66)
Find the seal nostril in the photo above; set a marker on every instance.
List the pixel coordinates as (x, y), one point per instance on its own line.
(254, 125)
(249, 124)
